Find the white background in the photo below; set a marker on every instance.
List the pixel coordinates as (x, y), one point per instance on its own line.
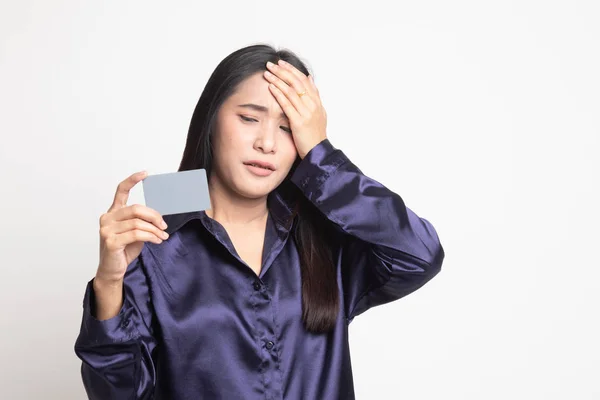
(482, 115)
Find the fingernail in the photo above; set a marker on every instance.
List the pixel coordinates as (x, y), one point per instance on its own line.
(163, 224)
(165, 235)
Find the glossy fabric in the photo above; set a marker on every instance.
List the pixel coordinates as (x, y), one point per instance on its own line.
(197, 323)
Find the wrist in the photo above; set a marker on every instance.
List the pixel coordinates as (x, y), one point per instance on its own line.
(102, 282)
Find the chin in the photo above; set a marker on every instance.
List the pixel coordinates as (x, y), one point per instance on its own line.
(256, 190)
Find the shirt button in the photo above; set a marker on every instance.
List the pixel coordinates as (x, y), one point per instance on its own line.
(270, 345)
(257, 285)
(125, 323)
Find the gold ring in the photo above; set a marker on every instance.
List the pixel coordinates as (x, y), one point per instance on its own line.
(302, 94)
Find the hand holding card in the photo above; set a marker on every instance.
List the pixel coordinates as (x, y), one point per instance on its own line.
(123, 231)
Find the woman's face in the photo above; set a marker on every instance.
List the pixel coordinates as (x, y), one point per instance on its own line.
(246, 133)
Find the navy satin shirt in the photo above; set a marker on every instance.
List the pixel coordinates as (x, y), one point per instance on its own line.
(198, 323)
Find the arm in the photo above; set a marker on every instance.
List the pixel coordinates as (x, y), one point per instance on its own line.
(117, 352)
(388, 251)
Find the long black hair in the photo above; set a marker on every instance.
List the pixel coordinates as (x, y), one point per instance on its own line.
(312, 231)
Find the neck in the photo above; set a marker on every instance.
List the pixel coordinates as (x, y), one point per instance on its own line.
(229, 208)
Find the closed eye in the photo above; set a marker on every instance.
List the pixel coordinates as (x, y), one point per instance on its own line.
(284, 128)
(247, 119)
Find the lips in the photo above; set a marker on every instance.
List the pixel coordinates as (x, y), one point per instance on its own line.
(261, 164)
(259, 171)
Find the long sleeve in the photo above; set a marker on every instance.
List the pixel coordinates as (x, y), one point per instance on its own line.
(388, 251)
(116, 353)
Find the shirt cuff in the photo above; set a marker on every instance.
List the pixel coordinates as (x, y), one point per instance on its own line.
(113, 330)
(314, 169)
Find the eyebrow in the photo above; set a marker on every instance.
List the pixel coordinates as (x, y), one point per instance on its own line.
(260, 108)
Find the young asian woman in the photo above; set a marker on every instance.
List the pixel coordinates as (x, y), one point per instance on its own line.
(252, 298)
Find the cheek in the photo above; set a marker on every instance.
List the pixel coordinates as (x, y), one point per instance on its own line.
(290, 145)
(223, 147)
(231, 141)
(238, 135)
(289, 152)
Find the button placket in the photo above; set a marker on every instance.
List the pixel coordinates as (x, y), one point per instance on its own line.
(266, 334)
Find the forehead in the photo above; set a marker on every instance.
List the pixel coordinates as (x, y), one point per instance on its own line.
(255, 90)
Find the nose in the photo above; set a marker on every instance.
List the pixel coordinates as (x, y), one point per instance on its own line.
(266, 140)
